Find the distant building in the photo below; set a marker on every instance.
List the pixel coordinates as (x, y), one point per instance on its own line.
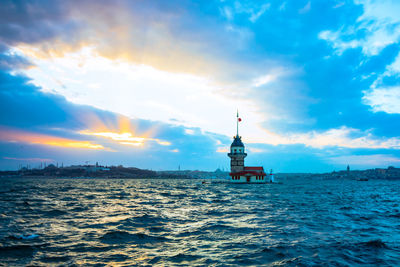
(89, 168)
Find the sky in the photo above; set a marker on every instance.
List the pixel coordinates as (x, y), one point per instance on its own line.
(157, 84)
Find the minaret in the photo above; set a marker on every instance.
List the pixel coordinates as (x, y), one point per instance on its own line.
(237, 154)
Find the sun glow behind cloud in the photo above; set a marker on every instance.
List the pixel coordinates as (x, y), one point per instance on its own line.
(10, 135)
(122, 130)
(140, 91)
(126, 138)
(119, 130)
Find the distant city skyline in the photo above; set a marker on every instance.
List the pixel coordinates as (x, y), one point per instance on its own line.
(157, 84)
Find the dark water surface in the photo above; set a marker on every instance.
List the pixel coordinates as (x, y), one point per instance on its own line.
(183, 222)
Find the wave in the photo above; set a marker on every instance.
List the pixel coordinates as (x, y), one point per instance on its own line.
(277, 252)
(23, 237)
(18, 251)
(150, 223)
(79, 209)
(225, 227)
(114, 237)
(143, 220)
(377, 243)
(55, 259)
(181, 258)
(55, 213)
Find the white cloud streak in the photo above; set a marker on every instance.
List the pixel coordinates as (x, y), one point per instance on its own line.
(383, 99)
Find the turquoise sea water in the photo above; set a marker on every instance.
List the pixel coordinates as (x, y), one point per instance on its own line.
(183, 222)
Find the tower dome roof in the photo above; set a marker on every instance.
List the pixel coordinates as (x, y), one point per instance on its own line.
(237, 141)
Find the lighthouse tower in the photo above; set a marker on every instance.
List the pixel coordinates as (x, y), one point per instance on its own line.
(237, 154)
(239, 173)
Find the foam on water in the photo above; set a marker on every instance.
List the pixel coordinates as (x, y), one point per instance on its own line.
(182, 222)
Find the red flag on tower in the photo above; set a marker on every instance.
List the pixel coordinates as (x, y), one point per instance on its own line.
(237, 123)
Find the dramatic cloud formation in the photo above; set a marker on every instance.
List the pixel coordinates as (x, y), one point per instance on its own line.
(157, 83)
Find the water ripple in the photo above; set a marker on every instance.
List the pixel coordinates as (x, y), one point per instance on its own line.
(183, 222)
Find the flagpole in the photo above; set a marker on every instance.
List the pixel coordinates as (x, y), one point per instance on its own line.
(237, 123)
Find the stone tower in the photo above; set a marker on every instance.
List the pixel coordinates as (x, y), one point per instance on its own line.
(237, 154)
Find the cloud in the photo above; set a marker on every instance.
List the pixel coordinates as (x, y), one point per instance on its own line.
(136, 91)
(34, 21)
(126, 138)
(223, 150)
(10, 61)
(260, 12)
(306, 8)
(384, 99)
(376, 28)
(18, 136)
(339, 4)
(263, 80)
(163, 37)
(251, 9)
(345, 137)
(342, 137)
(299, 100)
(165, 40)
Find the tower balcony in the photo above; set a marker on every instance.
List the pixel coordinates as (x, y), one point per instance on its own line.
(237, 154)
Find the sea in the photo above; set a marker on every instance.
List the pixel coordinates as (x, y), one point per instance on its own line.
(148, 222)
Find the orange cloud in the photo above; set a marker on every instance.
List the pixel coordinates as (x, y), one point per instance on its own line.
(126, 138)
(122, 130)
(10, 135)
(222, 150)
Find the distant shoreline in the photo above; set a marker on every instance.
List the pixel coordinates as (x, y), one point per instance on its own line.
(120, 172)
(90, 177)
